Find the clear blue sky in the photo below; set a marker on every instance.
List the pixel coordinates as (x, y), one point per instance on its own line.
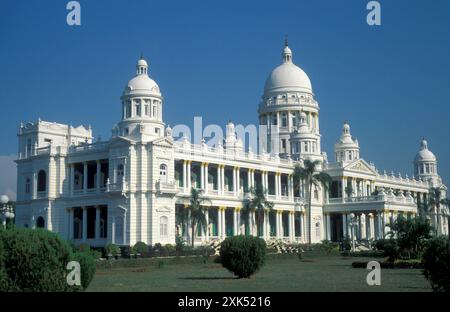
(211, 58)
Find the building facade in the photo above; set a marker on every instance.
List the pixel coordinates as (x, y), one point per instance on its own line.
(129, 188)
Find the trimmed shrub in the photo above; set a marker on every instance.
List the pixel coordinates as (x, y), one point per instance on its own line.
(142, 249)
(113, 250)
(170, 249)
(243, 255)
(159, 251)
(33, 260)
(390, 248)
(87, 267)
(436, 261)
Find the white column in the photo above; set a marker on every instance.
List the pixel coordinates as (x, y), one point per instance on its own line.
(97, 178)
(85, 178)
(219, 222)
(328, 223)
(277, 224)
(235, 222)
(291, 187)
(222, 177)
(291, 226)
(249, 179)
(202, 176)
(252, 224)
(238, 181)
(234, 182)
(84, 223)
(252, 175)
(343, 187)
(185, 175)
(97, 222)
(345, 232)
(206, 178)
(303, 226)
(277, 189)
(224, 223)
(363, 229)
(188, 176)
(207, 224)
(219, 180)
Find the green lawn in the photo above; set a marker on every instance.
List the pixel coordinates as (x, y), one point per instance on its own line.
(281, 273)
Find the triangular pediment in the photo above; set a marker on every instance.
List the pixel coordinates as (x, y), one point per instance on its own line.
(120, 141)
(163, 142)
(360, 165)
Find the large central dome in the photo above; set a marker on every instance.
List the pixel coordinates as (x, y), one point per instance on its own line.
(287, 77)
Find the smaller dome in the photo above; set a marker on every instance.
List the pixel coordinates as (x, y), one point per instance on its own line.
(346, 139)
(425, 154)
(142, 62)
(142, 83)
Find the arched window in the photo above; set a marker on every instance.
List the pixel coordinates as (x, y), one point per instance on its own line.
(163, 226)
(138, 108)
(40, 223)
(128, 109)
(27, 186)
(163, 172)
(42, 181)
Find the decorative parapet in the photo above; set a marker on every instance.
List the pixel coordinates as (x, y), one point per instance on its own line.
(219, 152)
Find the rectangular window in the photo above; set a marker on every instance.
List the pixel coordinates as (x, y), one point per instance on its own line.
(284, 120)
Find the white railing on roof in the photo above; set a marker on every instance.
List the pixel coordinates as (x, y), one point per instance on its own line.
(93, 147)
(223, 153)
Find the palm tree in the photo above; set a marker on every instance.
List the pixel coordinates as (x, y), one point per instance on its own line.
(434, 201)
(195, 213)
(310, 174)
(258, 202)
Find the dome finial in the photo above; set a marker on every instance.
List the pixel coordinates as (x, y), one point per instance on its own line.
(287, 53)
(141, 66)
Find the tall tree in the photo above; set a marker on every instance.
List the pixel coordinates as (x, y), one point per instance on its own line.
(311, 175)
(257, 201)
(195, 213)
(434, 202)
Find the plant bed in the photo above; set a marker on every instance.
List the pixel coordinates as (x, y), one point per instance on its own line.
(365, 254)
(398, 264)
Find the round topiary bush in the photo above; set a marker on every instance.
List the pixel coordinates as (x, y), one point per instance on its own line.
(243, 255)
(141, 248)
(33, 260)
(436, 262)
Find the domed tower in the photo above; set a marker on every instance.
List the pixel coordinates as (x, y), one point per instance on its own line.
(287, 92)
(425, 163)
(141, 107)
(346, 148)
(303, 141)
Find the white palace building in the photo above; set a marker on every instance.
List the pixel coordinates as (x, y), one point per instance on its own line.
(128, 189)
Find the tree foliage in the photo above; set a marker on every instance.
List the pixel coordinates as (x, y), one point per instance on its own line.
(311, 175)
(436, 261)
(243, 255)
